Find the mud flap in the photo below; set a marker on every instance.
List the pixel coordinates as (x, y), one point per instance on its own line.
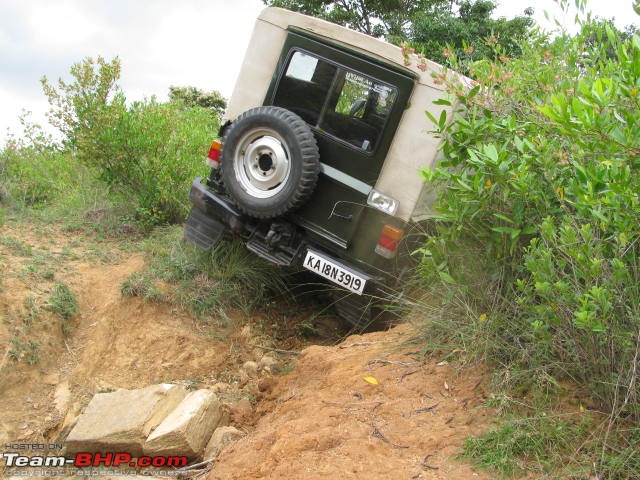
(202, 230)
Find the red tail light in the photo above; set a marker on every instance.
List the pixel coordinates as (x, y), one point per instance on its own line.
(213, 159)
(389, 240)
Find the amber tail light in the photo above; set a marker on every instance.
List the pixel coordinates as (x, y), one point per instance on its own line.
(213, 158)
(389, 240)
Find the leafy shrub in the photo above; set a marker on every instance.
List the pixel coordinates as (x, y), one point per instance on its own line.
(540, 181)
(190, 97)
(150, 150)
(154, 150)
(63, 302)
(33, 169)
(79, 108)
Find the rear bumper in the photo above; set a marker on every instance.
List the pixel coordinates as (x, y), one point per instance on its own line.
(213, 217)
(216, 206)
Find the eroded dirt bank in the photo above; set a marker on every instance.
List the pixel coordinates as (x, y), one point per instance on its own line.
(369, 407)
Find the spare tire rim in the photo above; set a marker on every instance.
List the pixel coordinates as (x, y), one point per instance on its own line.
(262, 163)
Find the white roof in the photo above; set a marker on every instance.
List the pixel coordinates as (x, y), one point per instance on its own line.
(366, 44)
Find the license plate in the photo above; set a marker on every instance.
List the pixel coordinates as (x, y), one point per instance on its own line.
(334, 272)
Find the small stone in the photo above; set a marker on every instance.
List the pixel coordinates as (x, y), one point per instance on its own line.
(221, 438)
(250, 368)
(267, 361)
(268, 364)
(266, 384)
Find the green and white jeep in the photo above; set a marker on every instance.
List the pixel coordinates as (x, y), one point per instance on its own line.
(320, 155)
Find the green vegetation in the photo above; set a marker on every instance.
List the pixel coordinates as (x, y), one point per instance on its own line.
(204, 283)
(140, 285)
(542, 441)
(27, 351)
(147, 152)
(117, 167)
(191, 97)
(465, 31)
(537, 255)
(21, 345)
(63, 302)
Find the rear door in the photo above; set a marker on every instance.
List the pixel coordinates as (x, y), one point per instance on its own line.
(354, 106)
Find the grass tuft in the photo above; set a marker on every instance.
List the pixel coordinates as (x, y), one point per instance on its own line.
(207, 284)
(63, 302)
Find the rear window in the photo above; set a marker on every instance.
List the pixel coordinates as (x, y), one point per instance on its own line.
(345, 104)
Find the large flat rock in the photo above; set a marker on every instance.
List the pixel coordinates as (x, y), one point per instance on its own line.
(121, 421)
(188, 428)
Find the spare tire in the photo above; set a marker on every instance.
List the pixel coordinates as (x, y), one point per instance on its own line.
(269, 161)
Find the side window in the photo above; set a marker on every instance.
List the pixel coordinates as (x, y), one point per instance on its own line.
(350, 106)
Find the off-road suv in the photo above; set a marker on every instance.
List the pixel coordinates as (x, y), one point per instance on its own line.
(319, 163)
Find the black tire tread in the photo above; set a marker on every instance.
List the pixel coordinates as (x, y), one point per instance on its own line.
(309, 161)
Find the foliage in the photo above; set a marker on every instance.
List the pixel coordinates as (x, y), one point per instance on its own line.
(191, 97)
(138, 285)
(469, 32)
(541, 445)
(152, 150)
(63, 302)
(435, 28)
(77, 108)
(42, 180)
(148, 150)
(33, 169)
(540, 181)
(536, 445)
(29, 351)
(373, 17)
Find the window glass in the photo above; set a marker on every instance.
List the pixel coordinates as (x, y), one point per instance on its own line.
(347, 105)
(302, 67)
(305, 86)
(353, 96)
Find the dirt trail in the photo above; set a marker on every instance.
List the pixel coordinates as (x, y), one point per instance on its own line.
(127, 341)
(116, 342)
(320, 420)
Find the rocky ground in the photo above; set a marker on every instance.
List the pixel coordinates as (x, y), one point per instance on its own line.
(367, 406)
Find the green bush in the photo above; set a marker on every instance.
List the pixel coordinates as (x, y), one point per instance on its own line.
(154, 150)
(63, 302)
(148, 151)
(33, 169)
(541, 181)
